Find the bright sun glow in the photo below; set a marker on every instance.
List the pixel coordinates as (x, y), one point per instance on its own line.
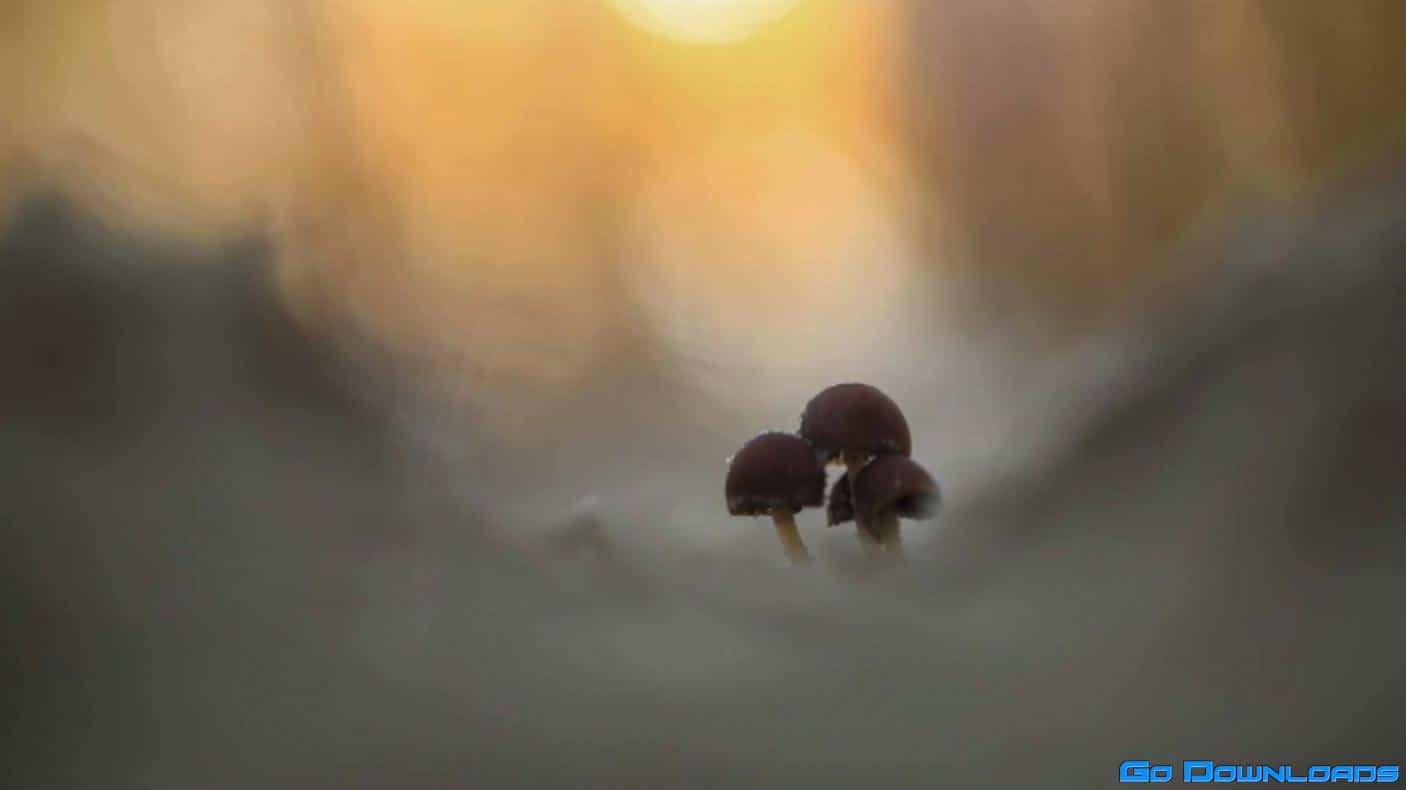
(709, 21)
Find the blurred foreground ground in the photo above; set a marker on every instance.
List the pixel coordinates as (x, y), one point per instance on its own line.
(234, 561)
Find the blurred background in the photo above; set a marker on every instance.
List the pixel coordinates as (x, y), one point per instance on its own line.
(369, 370)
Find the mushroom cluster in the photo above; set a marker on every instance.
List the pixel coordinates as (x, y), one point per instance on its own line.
(852, 425)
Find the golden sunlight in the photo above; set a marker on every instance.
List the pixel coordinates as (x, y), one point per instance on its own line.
(704, 21)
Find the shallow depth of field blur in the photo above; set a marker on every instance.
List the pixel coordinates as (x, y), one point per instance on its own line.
(369, 370)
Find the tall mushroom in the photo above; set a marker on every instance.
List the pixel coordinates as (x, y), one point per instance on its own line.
(851, 424)
(776, 474)
(888, 488)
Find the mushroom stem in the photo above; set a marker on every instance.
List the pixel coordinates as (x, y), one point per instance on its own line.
(853, 463)
(785, 522)
(867, 543)
(886, 527)
(867, 538)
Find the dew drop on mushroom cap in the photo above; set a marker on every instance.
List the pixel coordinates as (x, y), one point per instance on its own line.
(895, 485)
(774, 471)
(855, 418)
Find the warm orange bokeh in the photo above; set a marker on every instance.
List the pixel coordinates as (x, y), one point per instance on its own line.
(520, 194)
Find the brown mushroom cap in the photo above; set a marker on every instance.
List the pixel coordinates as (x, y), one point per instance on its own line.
(774, 470)
(839, 509)
(855, 418)
(895, 484)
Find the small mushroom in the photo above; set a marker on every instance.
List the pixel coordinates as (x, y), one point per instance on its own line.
(776, 474)
(851, 424)
(888, 488)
